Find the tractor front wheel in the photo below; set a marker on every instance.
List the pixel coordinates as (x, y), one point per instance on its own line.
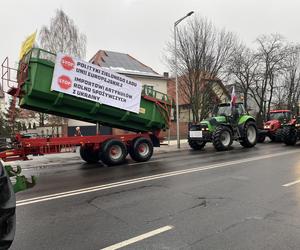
(222, 138)
(249, 135)
(261, 138)
(279, 135)
(289, 136)
(197, 145)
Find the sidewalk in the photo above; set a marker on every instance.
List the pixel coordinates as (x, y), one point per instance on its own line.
(74, 158)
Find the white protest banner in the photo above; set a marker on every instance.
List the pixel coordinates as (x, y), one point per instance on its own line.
(85, 80)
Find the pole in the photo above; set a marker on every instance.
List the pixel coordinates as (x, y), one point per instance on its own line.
(176, 90)
(176, 79)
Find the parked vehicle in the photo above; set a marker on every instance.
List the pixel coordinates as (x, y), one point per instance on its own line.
(7, 210)
(273, 127)
(5, 143)
(227, 124)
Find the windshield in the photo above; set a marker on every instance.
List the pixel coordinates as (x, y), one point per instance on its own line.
(223, 110)
(280, 116)
(226, 110)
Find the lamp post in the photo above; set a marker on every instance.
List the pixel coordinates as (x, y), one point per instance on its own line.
(176, 80)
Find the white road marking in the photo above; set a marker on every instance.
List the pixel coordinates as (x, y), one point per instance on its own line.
(138, 238)
(146, 178)
(291, 183)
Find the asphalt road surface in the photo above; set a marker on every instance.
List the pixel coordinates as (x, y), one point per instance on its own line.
(240, 199)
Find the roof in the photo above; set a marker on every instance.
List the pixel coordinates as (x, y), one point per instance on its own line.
(122, 63)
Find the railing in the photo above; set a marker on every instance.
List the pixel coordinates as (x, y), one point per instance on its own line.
(149, 91)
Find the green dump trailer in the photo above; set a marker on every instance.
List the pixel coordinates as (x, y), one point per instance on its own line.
(36, 95)
(34, 80)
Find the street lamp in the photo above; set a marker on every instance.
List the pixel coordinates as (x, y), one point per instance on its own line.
(176, 80)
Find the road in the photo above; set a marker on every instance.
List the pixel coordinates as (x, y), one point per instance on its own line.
(239, 199)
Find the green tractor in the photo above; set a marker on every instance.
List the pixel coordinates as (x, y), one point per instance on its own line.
(227, 124)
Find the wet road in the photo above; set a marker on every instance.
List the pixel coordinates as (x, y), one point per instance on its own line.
(240, 199)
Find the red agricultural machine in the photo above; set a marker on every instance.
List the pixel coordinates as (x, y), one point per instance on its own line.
(273, 127)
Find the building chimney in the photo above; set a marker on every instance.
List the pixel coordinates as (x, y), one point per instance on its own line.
(166, 74)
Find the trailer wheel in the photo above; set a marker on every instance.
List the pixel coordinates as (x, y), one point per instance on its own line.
(7, 210)
(113, 152)
(141, 149)
(88, 155)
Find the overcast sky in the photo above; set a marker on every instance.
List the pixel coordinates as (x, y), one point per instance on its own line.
(141, 28)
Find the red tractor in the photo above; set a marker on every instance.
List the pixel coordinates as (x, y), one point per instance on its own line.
(273, 127)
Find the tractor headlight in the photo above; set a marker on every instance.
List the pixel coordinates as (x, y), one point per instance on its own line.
(266, 127)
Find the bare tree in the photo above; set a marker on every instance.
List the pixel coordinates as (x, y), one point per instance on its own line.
(202, 55)
(244, 71)
(271, 56)
(62, 35)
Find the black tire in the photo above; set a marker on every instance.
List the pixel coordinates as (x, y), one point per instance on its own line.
(88, 155)
(222, 138)
(279, 135)
(249, 137)
(272, 138)
(261, 138)
(141, 149)
(289, 136)
(197, 145)
(113, 152)
(7, 211)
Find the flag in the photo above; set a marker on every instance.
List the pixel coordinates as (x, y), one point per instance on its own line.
(233, 97)
(27, 45)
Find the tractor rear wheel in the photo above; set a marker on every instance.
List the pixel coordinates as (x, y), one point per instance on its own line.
(249, 135)
(113, 152)
(88, 154)
(7, 210)
(197, 145)
(289, 136)
(141, 149)
(222, 138)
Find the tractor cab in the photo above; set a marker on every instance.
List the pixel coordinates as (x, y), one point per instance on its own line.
(231, 113)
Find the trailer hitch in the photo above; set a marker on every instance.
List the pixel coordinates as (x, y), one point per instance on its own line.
(21, 182)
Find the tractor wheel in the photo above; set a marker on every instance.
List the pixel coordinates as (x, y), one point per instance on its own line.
(88, 155)
(7, 210)
(272, 138)
(249, 135)
(113, 152)
(261, 138)
(141, 149)
(289, 136)
(222, 138)
(279, 135)
(197, 145)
